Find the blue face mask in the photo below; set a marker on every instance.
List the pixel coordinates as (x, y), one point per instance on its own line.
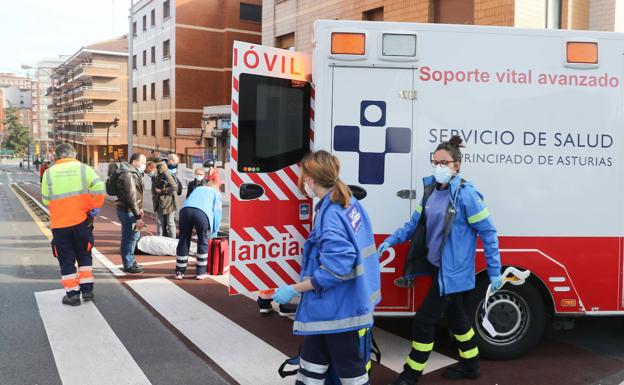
(442, 174)
(173, 168)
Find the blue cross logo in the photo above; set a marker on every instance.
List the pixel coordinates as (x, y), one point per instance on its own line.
(372, 164)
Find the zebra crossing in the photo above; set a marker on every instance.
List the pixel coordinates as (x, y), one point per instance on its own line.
(105, 360)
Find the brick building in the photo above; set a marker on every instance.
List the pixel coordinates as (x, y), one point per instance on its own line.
(288, 23)
(89, 92)
(181, 62)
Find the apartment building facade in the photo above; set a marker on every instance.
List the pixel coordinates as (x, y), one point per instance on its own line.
(42, 130)
(89, 92)
(181, 62)
(289, 23)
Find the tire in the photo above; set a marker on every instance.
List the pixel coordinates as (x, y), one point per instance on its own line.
(516, 312)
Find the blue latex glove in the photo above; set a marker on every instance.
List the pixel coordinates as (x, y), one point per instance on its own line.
(383, 247)
(496, 281)
(284, 294)
(93, 213)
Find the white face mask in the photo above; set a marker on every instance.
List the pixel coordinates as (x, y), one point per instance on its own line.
(199, 177)
(142, 167)
(308, 190)
(442, 174)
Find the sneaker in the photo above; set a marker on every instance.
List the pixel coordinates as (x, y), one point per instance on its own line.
(133, 270)
(287, 310)
(201, 276)
(179, 275)
(135, 264)
(88, 296)
(458, 372)
(264, 305)
(74, 300)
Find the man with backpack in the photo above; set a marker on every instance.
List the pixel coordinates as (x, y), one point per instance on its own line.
(126, 182)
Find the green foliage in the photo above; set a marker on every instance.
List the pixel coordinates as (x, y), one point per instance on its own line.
(16, 137)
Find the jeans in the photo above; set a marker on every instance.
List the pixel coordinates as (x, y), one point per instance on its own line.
(129, 237)
(165, 224)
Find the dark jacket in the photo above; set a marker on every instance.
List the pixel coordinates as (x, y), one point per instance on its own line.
(165, 201)
(130, 189)
(191, 186)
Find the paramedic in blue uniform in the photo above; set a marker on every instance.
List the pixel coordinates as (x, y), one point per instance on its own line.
(202, 210)
(340, 280)
(454, 214)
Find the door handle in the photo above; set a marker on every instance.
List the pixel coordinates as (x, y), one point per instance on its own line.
(358, 192)
(250, 191)
(406, 194)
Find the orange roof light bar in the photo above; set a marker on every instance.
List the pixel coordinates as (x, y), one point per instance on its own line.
(348, 43)
(582, 52)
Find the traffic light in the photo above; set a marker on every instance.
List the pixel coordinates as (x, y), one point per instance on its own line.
(116, 122)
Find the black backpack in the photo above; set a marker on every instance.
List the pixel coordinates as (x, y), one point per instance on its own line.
(113, 175)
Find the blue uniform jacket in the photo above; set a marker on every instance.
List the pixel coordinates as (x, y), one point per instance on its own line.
(342, 262)
(208, 200)
(472, 218)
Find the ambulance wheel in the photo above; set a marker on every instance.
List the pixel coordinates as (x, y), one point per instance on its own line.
(518, 315)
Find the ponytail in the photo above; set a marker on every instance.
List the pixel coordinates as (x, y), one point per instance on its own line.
(324, 169)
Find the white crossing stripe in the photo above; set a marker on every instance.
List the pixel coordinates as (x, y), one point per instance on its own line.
(394, 351)
(86, 349)
(217, 336)
(116, 223)
(26, 182)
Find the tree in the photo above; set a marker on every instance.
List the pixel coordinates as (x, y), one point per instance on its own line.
(17, 137)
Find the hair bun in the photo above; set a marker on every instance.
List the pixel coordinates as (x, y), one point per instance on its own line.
(456, 141)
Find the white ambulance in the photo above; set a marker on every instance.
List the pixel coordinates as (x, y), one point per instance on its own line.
(540, 111)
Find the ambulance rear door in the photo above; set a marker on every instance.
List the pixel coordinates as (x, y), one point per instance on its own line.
(372, 135)
(269, 217)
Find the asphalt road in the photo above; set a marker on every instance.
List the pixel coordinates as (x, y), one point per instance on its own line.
(192, 332)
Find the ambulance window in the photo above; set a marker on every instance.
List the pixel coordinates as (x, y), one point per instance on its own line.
(274, 122)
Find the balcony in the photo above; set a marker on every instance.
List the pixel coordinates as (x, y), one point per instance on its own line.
(192, 132)
(97, 93)
(96, 116)
(98, 70)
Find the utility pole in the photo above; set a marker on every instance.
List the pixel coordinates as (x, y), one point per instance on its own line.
(130, 44)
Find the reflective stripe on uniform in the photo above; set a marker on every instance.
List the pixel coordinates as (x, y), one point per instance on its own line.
(356, 272)
(376, 296)
(417, 366)
(368, 366)
(472, 353)
(419, 209)
(368, 251)
(334, 325)
(182, 257)
(86, 280)
(202, 257)
(73, 288)
(313, 368)
(68, 276)
(478, 217)
(362, 332)
(309, 380)
(465, 337)
(183, 264)
(422, 347)
(361, 380)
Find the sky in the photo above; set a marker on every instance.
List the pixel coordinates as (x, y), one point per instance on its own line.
(32, 30)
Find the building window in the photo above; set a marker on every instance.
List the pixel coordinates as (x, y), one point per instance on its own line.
(166, 9)
(453, 12)
(373, 14)
(166, 88)
(153, 54)
(166, 52)
(153, 18)
(144, 58)
(285, 41)
(134, 62)
(250, 12)
(153, 91)
(144, 92)
(134, 127)
(134, 28)
(134, 94)
(144, 22)
(145, 128)
(166, 128)
(153, 128)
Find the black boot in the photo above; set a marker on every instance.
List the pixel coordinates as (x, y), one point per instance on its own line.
(406, 379)
(459, 372)
(88, 296)
(74, 300)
